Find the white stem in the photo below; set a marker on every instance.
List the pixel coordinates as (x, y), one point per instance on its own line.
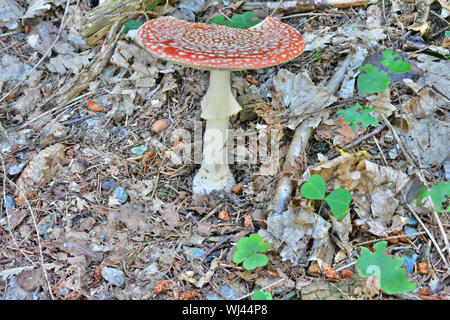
(217, 106)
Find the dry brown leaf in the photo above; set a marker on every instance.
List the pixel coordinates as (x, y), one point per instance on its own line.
(171, 217)
(94, 106)
(329, 272)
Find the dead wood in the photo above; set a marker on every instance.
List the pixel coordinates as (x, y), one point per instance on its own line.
(298, 147)
(303, 6)
(98, 21)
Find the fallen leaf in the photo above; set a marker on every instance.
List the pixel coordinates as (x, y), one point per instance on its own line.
(171, 217)
(329, 272)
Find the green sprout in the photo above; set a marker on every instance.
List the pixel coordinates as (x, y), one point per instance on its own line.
(372, 80)
(131, 25)
(438, 193)
(338, 200)
(164, 194)
(261, 295)
(249, 252)
(387, 269)
(317, 54)
(359, 114)
(238, 21)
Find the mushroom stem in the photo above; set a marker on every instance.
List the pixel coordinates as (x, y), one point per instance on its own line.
(217, 107)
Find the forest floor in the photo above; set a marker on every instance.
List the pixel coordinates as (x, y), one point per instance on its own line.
(98, 204)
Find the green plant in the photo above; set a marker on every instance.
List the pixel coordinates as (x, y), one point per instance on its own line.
(438, 193)
(387, 269)
(338, 200)
(249, 252)
(238, 21)
(359, 114)
(372, 80)
(447, 34)
(261, 295)
(131, 25)
(164, 194)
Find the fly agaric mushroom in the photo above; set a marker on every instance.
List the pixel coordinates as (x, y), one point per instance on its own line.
(219, 49)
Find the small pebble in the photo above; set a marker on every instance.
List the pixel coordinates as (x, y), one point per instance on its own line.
(159, 126)
(121, 195)
(139, 151)
(107, 185)
(408, 231)
(10, 203)
(16, 169)
(409, 262)
(412, 221)
(113, 276)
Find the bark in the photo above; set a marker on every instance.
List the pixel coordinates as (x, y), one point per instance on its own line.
(98, 21)
(304, 6)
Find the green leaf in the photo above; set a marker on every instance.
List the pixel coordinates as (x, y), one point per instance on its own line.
(387, 269)
(359, 114)
(131, 25)
(238, 21)
(438, 193)
(220, 19)
(255, 260)
(314, 189)
(423, 193)
(339, 201)
(248, 251)
(261, 295)
(397, 66)
(372, 80)
(447, 34)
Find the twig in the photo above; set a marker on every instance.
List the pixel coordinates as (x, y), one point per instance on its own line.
(8, 216)
(220, 206)
(41, 256)
(218, 244)
(389, 238)
(399, 141)
(416, 216)
(298, 146)
(73, 102)
(49, 50)
(265, 288)
(364, 137)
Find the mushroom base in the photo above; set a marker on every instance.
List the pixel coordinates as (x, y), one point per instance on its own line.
(213, 178)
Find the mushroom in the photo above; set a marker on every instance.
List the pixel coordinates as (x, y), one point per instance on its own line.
(219, 49)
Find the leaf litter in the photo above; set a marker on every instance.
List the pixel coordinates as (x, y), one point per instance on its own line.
(172, 244)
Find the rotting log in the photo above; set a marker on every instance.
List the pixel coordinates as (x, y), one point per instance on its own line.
(298, 146)
(98, 21)
(304, 6)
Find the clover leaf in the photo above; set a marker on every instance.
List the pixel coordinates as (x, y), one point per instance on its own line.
(387, 269)
(238, 21)
(359, 114)
(248, 252)
(314, 189)
(261, 295)
(397, 66)
(338, 200)
(438, 193)
(372, 80)
(131, 25)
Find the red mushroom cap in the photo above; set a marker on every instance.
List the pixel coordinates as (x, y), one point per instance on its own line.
(211, 46)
